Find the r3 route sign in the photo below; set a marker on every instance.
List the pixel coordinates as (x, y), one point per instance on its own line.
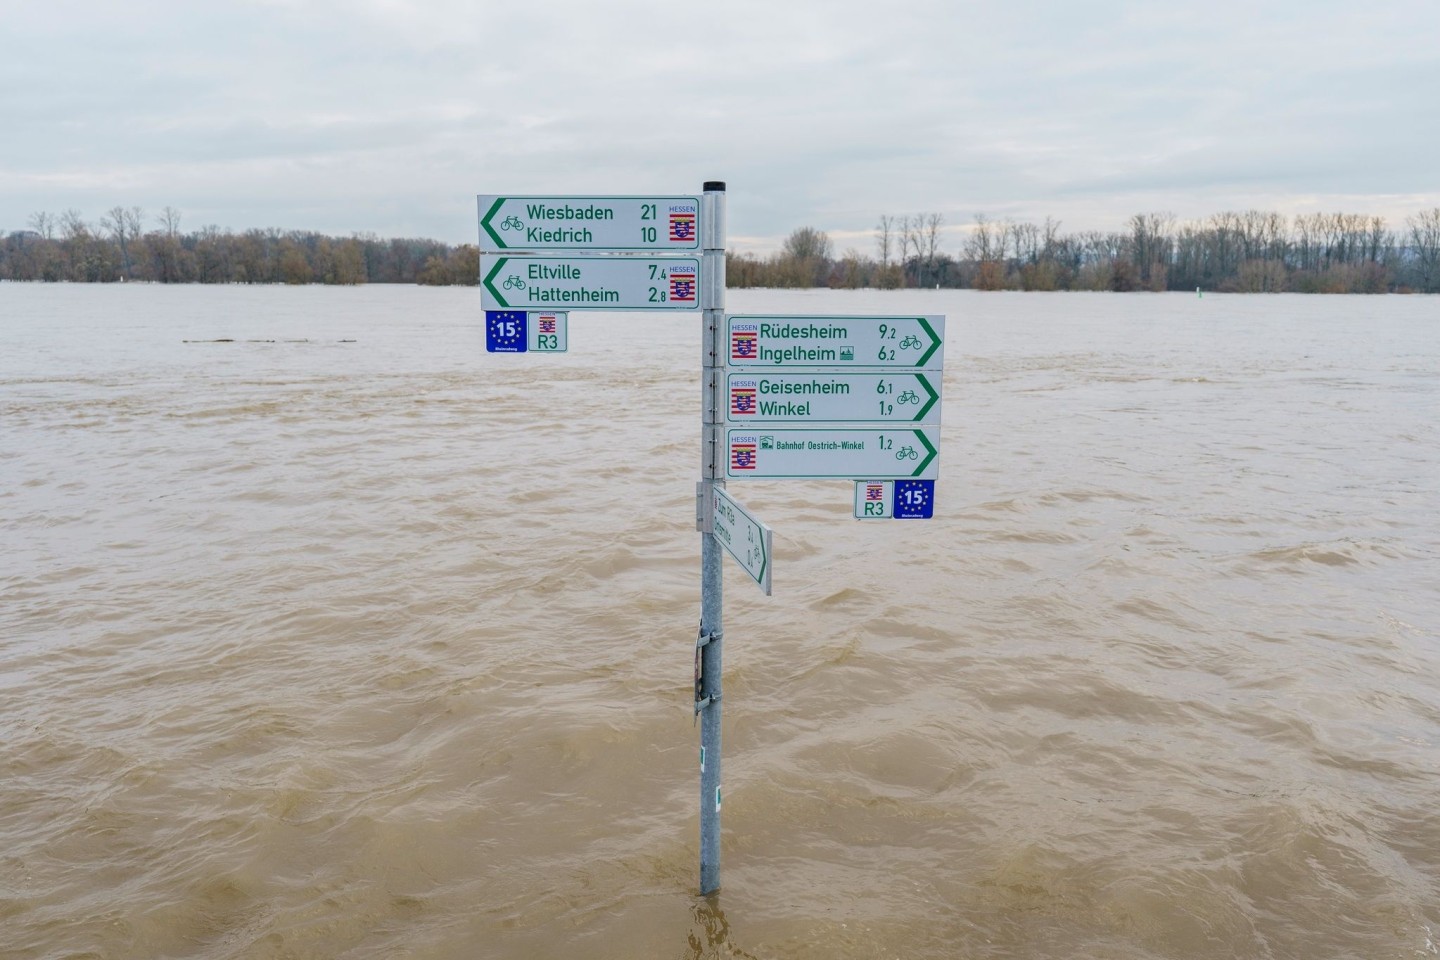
(912, 343)
(659, 224)
(591, 283)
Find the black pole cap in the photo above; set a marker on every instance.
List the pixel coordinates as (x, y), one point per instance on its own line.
(714, 186)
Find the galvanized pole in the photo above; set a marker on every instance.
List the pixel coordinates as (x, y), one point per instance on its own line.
(709, 644)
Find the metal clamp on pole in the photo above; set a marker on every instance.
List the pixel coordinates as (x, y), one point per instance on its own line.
(702, 698)
(711, 443)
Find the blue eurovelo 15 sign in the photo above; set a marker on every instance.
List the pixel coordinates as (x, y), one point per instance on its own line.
(914, 499)
(506, 331)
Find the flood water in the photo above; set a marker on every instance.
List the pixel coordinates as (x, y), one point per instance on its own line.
(346, 639)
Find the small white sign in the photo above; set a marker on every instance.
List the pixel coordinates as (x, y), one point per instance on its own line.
(743, 537)
(874, 499)
(549, 332)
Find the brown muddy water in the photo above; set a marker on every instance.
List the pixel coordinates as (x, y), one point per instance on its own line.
(383, 648)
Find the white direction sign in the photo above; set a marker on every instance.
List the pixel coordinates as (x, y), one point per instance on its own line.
(743, 537)
(830, 396)
(588, 223)
(590, 283)
(912, 343)
(877, 453)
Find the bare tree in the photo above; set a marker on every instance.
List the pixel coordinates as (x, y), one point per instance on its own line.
(930, 236)
(43, 224)
(911, 246)
(167, 250)
(1026, 237)
(885, 238)
(73, 225)
(806, 242)
(805, 257)
(1424, 241)
(169, 220)
(1151, 245)
(986, 248)
(116, 222)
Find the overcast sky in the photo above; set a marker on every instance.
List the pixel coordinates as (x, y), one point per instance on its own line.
(388, 116)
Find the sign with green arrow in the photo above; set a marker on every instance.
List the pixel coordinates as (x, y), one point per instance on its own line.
(847, 453)
(743, 537)
(589, 223)
(590, 283)
(911, 343)
(832, 396)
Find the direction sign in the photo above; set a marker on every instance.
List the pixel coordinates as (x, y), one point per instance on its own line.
(913, 343)
(879, 453)
(590, 283)
(825, 396)
(743, 537)
(588, 223)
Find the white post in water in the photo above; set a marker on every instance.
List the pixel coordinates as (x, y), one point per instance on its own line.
(709, 643)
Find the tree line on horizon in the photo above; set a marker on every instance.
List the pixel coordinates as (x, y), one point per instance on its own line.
(66, 247)
(1242, 252)
(1251, 251)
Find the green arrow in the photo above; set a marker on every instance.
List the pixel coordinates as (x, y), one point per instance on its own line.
(931, 454)
(489, 284)
(485, 222)
(933, 396)
(934, 342)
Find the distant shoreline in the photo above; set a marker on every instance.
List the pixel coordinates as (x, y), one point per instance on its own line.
(1245, 252)
(1181, 293)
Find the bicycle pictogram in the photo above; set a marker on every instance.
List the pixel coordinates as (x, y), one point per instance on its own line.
(907, 453)
(513, 283)
(512, 222)
(910, 342)
(909, 396)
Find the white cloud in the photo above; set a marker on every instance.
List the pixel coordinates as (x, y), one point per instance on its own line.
(389, 116)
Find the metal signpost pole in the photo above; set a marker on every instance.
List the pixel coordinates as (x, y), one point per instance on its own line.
(712, 473)
(782, 397)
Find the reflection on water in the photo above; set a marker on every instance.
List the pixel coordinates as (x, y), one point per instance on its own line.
(709, 937)
(344, 638)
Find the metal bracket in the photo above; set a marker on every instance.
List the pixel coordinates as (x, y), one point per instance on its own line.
(712, 439)
(713, 399)
(704, 517)
(703, 640)
(712, 345)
